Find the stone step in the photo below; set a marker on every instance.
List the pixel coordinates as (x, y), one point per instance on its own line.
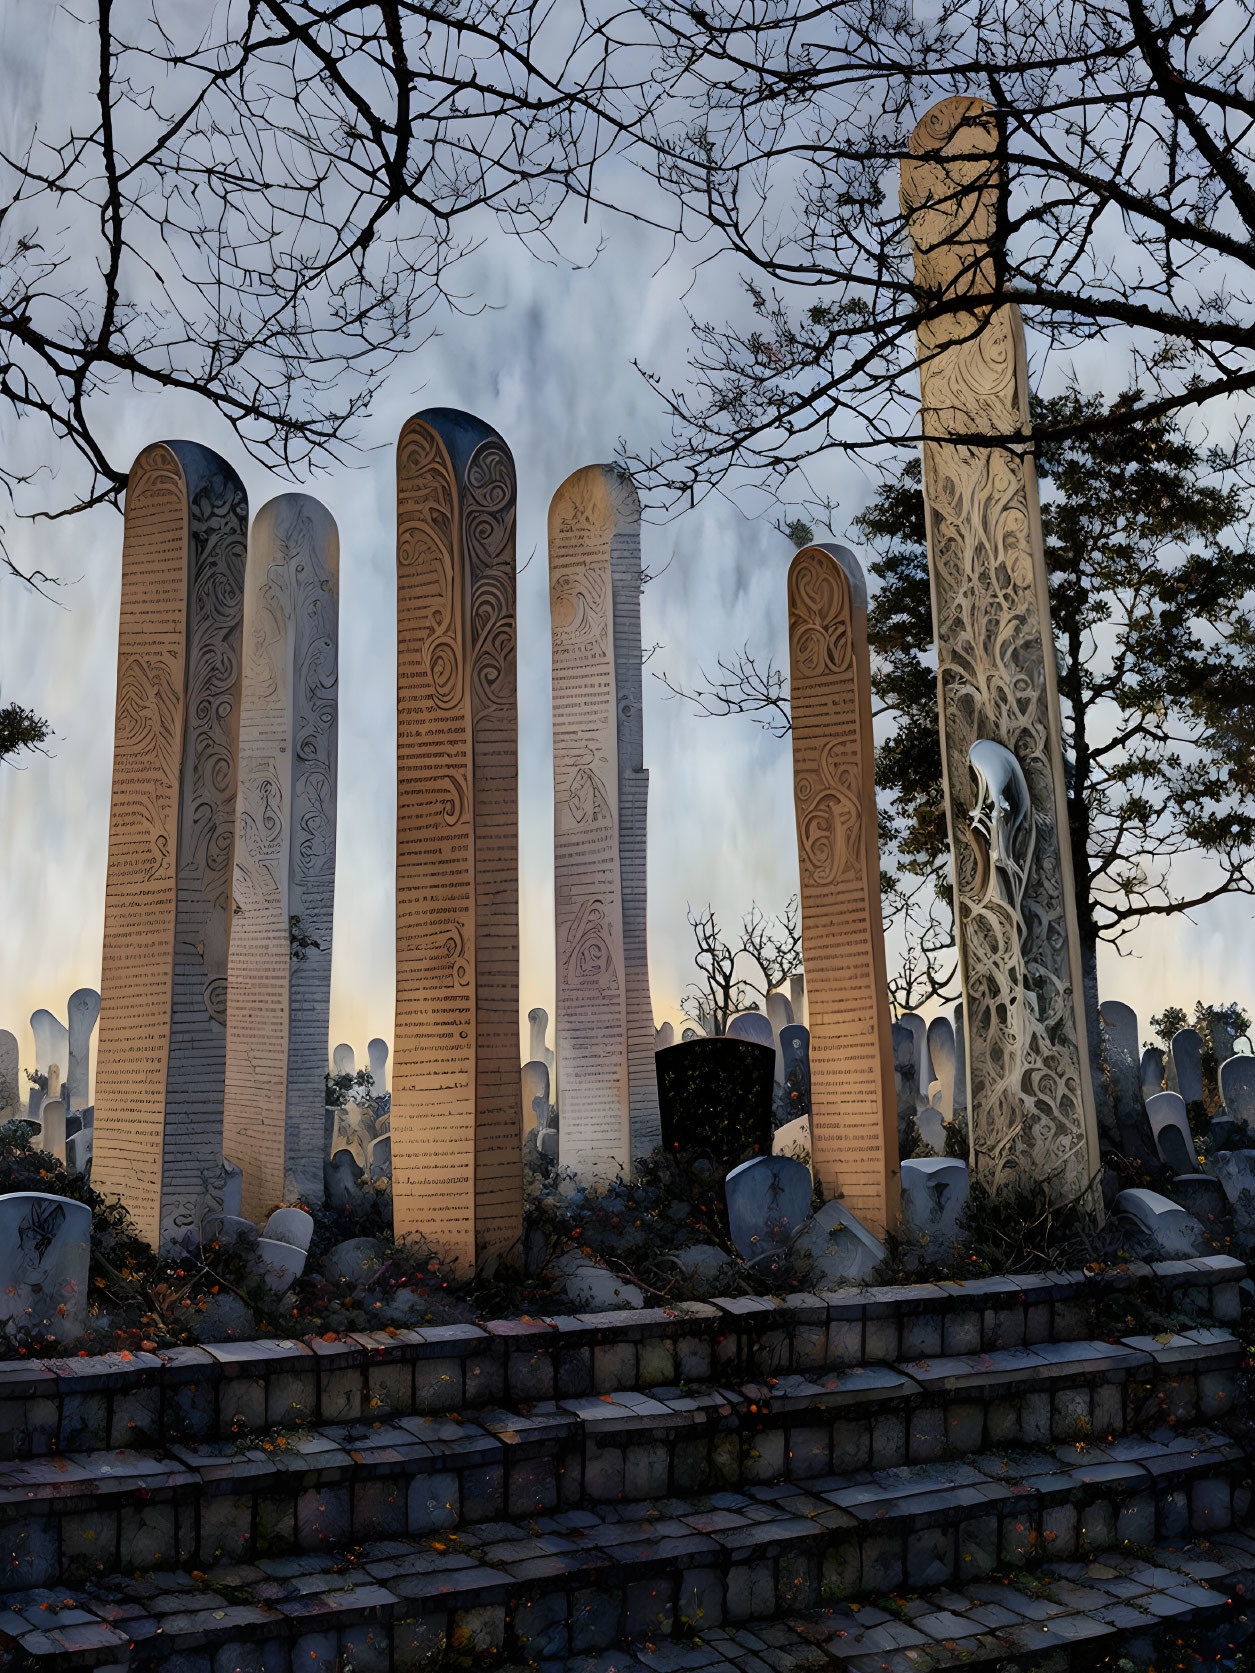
(743, 1583)
(215, 1392)
(774, 1545)
(295, 1490)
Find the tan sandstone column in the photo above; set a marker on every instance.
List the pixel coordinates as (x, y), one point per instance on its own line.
(279, 993)
(607, 1087)
(1030, 1100)
(457, 1178)
(854, 1117)
(163, 990)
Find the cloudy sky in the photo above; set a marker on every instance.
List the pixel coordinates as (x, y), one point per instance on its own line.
(550, 365)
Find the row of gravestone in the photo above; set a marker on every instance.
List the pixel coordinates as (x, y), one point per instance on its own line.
(56, 1107)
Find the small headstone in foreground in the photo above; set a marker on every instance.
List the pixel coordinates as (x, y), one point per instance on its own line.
(353, 1261)
(769, 1200)
(934, 1190)
(1171, 1232)
(278, 1264)
(290, 1225)
(1202, 1196)
(45, 1252)
(838, 1248)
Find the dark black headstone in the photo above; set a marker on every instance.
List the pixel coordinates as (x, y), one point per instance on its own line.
(1174, 1150)
(714, 1098)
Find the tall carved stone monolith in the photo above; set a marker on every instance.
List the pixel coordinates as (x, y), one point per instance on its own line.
(83, 1011)
(279, 990)
(161, 1058)
(607, 1086)
(457, 1137)
(854, 1122)
(1030, 1098)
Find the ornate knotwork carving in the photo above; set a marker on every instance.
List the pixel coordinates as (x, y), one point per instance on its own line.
(1031, 1106)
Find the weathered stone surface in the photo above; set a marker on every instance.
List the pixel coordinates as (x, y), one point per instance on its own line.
(1123, 1057)
(837, 1248)
(599, 1291)
(377, 1062)
(538, 1027)
(1152, 1071)
(290, 1225)
(794, 1139)
(161, 1059)
(1030, 1097)
(703, 1262)
(853, 1104)
(83, 1011)
(278, 1264)
(779, 1011)
(225, 1318)
(1171, 1232)
(344, 1060)
(535, 1080)
(52, 1127)
(353, 1261)
(279, 988)
(52, 1042)
(934, 1191)
(1235, 1169)
(1187, 1064)
(769, 1199)
(457, 1132)
(45, 1253)
(1170, 1123)
(941, 1052)
(1202, 1196)
(605, 1038)
(1237, 1088)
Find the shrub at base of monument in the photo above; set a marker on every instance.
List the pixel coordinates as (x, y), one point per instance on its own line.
(768, 1199)
(835, 1248)
(45, 1255)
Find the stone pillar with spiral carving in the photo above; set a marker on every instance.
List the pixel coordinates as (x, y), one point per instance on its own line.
(1031, 1104)
(161, 1061)
(854, 1121)
(457, 1169)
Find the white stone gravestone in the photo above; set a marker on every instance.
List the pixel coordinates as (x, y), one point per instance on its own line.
(934, 1190)
(84, 1013)
(377, 1059)
(941, 1050)
(344, 1060)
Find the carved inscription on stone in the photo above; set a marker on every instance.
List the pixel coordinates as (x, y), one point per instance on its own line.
(853, 1100)
(456, 1108)
(280, 973)
(161, 1057)
(607, 1089)
(1029, 1093)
